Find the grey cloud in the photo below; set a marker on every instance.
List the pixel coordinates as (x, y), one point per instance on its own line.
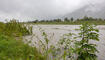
(42, 9)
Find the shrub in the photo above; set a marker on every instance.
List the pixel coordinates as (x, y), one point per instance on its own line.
(16, 28)
(11, 49)
(85, 49)
(2, 25)
(15, 49)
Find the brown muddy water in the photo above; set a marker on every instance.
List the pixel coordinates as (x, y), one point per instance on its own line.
(55, 32)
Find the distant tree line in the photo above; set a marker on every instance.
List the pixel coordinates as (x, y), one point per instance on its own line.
(66, 19)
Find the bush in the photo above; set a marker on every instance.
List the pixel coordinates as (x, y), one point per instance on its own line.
(11, 49)
(85, 49)
(2, 26)
(15, 28)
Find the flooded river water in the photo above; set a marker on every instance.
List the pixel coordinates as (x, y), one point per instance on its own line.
(56, 31)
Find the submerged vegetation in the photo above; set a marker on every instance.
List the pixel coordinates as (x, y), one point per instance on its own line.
(70, 47)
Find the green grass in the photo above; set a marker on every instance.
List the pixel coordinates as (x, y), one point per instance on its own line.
(12, 48)
(15, 28)
(2, 26)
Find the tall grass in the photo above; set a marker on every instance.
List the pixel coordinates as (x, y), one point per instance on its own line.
(12, 48)
(16, 28)
(2, 26)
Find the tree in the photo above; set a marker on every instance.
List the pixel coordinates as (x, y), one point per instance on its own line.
(72, 19)
(58, 20)
(66, 19)
(66, 46)
(78, 19)
(100, 19)
(86, 18)
(90, 19)
(85, 49)
(35, 21)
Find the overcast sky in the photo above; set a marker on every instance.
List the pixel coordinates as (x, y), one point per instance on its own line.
(42, 9)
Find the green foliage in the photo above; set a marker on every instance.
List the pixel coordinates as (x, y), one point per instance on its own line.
(66, 19)
(70, 47)
(44, 44)
(2, 26)
(12, 46)
(11, 49)
(15, 28)
(85, 49)
(72, 21)
(67, 47)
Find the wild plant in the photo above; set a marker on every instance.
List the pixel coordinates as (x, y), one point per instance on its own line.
(66, 47)
(43, 45)
(16, 28)
(85, 49)
(12, 49)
